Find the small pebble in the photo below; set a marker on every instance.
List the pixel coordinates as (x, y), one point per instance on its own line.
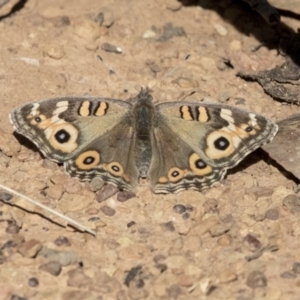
(49, 164)
(78, 279)
(72, 186)
(33, 282)
(92, 211)
(96, 184)
(189, 208)
(291, 202)
(93, 219)
(121, 295)
(174, 291)
(219, 229)
(256, 279)
(296, 267)
(91, 46)
(130, 224)
(159, 258)
(55, 51)
(161, 267)
(108, 191)
(55, 191)
(77, 295)
(260, 191)
(64, 258)
(16, 297)
(30, 248)
(108, 211)
(179, 208)
(186, 83)
(62, 241)
(272, 214)
(186, 216)
(132, 274)
(252, 243)
(125, 195)
(173, 5)
(105, 17)
(52, 267)
(235, 45)
(221, 30)
(288, 275)
(12, 228)
(61, 21)
(149, 34)
(210, 205)
(169, 226)
(5, 196)
(2, 258)
(225, 240)
(111, 48)
(87, 29)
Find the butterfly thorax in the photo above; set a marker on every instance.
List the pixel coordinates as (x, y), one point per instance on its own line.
(143, 114)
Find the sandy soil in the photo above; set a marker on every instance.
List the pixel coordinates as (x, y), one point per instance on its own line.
(238, 240)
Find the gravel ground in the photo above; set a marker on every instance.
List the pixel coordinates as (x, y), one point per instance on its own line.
(237, 240)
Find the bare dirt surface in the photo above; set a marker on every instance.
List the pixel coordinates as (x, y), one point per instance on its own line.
(237, 240)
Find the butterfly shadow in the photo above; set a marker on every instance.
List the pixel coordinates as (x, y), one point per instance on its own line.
(257, 156)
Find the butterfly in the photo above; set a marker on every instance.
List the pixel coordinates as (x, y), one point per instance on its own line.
(175, 145)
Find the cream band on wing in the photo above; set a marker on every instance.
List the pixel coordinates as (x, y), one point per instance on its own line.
(84, 109)
(203, 114)
(186, 114)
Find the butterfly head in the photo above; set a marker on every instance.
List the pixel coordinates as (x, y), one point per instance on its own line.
(145, 96)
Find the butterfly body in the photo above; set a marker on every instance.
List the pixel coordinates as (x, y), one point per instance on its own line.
(176, 145)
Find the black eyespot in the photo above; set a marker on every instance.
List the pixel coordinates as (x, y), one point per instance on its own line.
(89, 160)
(115, 168)
(62, 136)
(221, 143)
(38, 119)
(200, 164)
(249, 129)
(175, 174)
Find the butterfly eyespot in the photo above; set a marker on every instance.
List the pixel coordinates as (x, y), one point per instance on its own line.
(88, 160)
(62, 136)
(221, 143)
(38, 119)
(200, 164)
(115, 168)
(175, 174)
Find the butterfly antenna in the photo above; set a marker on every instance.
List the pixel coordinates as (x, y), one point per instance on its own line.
(170, 72)
(114, 72)
(48, 209)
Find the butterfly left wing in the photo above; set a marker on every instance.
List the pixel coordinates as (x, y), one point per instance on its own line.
(195, 143)
(91, 136)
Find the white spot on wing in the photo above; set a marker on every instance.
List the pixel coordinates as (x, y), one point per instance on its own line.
(34, 109)
(61, 107)
(226, 114)
(253, 119)
(62, 103)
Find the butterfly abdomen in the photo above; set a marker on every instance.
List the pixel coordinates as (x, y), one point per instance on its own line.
(143, 113)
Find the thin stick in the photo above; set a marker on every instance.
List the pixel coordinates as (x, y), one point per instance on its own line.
(169, 73)
(69, 220)
(112, 70)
